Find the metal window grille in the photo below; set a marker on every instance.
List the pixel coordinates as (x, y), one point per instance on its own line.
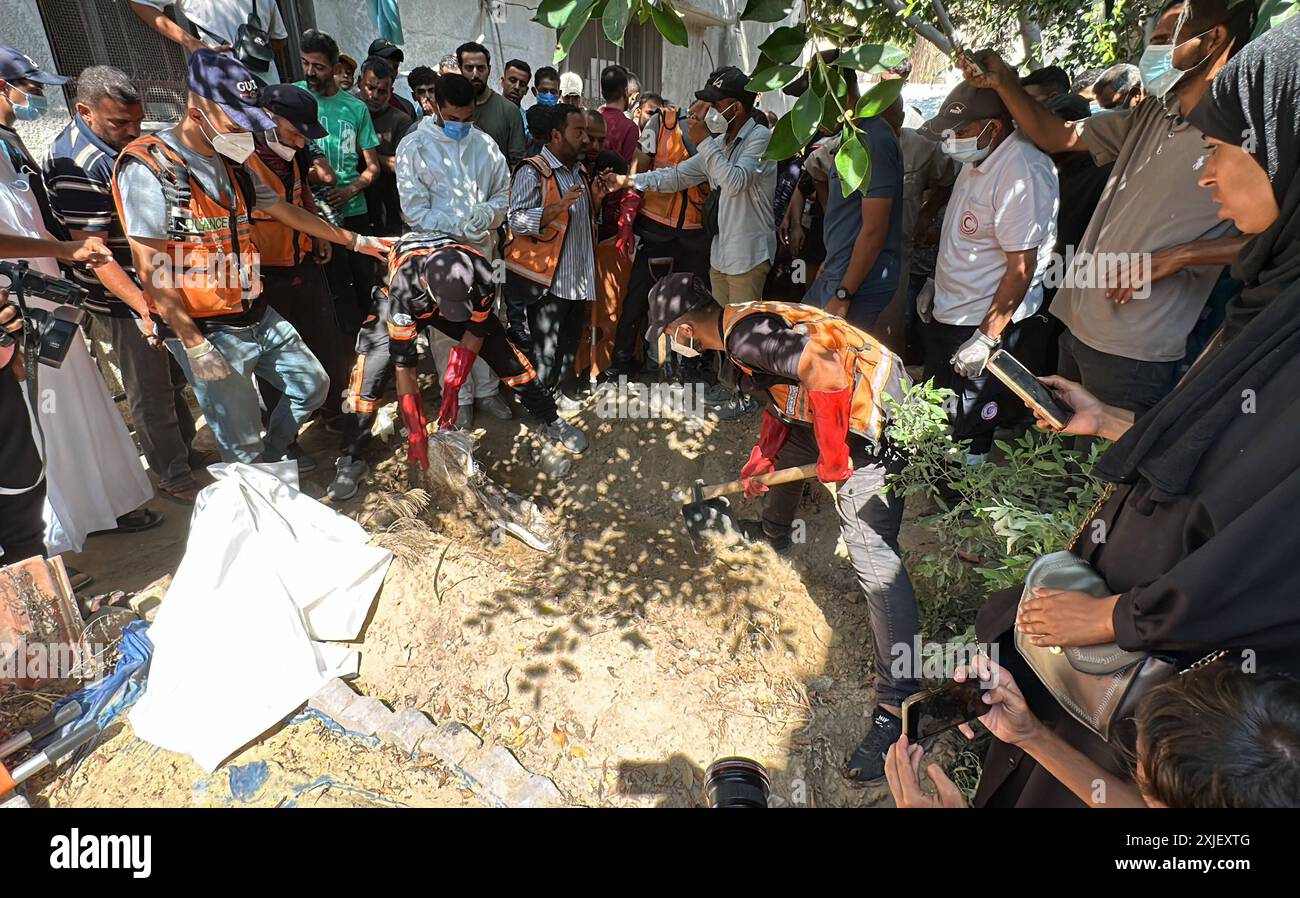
(642, 54)
(84, 33)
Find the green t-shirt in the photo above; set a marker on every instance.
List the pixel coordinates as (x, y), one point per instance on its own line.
(350, 132)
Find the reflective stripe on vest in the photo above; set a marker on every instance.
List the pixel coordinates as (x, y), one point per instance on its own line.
(683, 210)
(280, 245)
(203, 236)
(873, 369)
(536, 256)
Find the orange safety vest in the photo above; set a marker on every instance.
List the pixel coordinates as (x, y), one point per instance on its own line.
(536, 256)
(874, 371)
(683, 210)
(210, 245)
(281, 246)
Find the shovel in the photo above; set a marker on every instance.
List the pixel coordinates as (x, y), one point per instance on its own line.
(708, 514)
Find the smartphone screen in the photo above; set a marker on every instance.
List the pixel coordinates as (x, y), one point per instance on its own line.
(938, 710)
(1006, 368)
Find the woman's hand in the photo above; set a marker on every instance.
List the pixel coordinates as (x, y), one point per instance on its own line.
(1066, 617)
(1091, 418)
(1009, 718)
(903, 772)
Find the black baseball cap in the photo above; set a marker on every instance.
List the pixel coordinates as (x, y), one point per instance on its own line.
(672, 297)
(224, 80)
(386, 49)
(456, 279)
(964, 104)
(727, 81)
(16, 66)
(297, 105)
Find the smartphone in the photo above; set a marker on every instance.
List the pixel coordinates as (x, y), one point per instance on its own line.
(936, 711)
(1004, 366)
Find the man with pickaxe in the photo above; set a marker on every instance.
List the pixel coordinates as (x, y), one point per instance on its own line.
(824, 384)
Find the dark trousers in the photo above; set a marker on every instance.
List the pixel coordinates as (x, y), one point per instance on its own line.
(981, 403)
(351, 277)
(689, 251)
(870, 520)
(1126, 383)
(160, 415)
(302, 297)
(22, 522)
(555, 329)
(374, 370)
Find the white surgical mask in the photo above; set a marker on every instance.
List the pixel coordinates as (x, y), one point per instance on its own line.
(1157, 66)
(683, 349)
(715, 121)
(283, 150)
(966, 149)
(235, 147)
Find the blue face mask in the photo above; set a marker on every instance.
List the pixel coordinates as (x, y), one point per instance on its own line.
(456, 130)
(547, 99)
(1157, 66)
(35, 107)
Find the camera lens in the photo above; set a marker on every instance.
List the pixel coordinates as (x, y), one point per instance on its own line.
(737, 783)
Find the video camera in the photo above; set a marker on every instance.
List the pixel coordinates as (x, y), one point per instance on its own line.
(49, 333)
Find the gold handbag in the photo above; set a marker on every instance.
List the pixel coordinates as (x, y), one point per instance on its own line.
(1097, 684)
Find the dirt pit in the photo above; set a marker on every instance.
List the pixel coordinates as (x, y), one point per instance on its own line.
(620, 665)
(626, 662)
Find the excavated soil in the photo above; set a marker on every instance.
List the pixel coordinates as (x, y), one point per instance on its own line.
(620, 665)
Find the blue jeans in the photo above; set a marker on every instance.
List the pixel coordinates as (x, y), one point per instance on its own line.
(272, 350)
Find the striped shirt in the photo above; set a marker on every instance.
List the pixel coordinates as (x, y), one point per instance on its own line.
(79, 178)
(575, 273)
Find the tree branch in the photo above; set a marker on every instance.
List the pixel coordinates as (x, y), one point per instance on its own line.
(929, 32)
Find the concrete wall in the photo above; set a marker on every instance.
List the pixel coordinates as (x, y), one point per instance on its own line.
(24, 32)
(434, 28)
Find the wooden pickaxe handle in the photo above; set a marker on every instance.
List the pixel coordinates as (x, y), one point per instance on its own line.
(785, 475)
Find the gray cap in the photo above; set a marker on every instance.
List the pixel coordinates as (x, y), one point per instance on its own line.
(964, 104)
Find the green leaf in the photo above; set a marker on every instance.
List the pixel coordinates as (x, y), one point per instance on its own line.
(832, 85)
(785, 45)
(615, 20)
(852, 162)
(773, 77)
(573, 28)
(554, 13)
(766, 10)
(869, 58)
(806, 116)
(783, 144)
(879, 98)
(669, 23)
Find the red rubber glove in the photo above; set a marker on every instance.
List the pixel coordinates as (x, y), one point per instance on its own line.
(628, 207)
(830, 411)
(417, 437)
(458, 365)
(771, 437)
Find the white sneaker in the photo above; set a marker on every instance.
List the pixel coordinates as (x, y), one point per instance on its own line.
(347, 477)
(564, 433)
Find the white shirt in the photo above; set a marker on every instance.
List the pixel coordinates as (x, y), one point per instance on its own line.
(746, 183)
(218, 21)
(1004, 204)
(460, 188)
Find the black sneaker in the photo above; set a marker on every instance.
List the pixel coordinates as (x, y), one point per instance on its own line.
(866, 766)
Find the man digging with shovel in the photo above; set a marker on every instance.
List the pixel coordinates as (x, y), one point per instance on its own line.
(823, 382)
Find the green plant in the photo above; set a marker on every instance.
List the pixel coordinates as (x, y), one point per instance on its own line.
(990, 520)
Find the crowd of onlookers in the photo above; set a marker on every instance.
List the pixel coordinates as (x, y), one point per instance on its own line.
(1107, 230)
